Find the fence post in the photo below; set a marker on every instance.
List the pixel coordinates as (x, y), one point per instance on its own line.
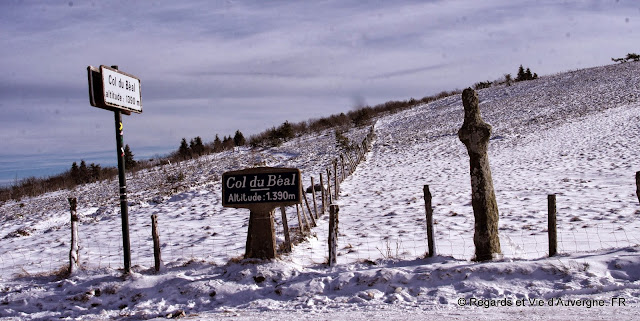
(553, 236)
(429, 210)
(74, 255)
(313, 194)
(342, 163)
(638, 185)
(322, 196)
(306, 202)
(329, 196)
(300, 220)
(157, 255)
(336, 185)
(352, 167)
(333, 234)
(285, 225)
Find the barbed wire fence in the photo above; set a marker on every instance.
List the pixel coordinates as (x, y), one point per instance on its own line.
(221, 242)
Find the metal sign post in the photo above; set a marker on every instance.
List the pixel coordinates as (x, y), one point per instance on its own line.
(119, 92)
(122, 179)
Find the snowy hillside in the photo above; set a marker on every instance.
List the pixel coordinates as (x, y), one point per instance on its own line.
(573, 134)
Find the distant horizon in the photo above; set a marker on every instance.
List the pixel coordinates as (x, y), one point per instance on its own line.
(46, 165)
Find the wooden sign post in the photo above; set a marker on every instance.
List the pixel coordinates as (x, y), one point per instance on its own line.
(119, 92)
(261, 190)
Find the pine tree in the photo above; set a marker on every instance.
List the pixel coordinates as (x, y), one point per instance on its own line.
(184, 150)
(129, 162)
(96, 171)
(192, 147)
(227, 142)
(83, 172)
(217, 144)
(197, 148)
(528, 75)
(75, 173)
(238, 139)
(285, 131)
(521, 74)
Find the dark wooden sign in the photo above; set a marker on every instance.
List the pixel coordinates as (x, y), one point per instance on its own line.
(269, 186)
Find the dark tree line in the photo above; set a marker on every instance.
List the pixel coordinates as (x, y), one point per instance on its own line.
(196, 148)
(629, 57)
(525, 74)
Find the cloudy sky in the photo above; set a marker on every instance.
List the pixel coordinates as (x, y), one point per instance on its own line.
(210, 67)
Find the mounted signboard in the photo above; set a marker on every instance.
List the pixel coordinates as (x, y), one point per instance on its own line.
(112, 89)
(121, 90)
(269, 186)
(261, 190)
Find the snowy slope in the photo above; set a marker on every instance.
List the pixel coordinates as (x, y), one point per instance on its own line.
(572, 134)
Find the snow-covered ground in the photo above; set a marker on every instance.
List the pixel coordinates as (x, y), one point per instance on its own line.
(573, 134)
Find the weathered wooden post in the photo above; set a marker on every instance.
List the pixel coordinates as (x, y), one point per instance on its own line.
(429, 211)
(322, 196)
(301, 227)
(74, 255)
(352, 167)
(333, 234)
(313, 194)
(261, 190)
(329, 196)
(638, 185)
(342, 162)
(306, 202)
(285, 225)
(475, 134)
(155, 235)
(552, 228)
(336, 185)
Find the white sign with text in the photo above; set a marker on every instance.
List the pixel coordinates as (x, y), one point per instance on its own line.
(121, 90)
